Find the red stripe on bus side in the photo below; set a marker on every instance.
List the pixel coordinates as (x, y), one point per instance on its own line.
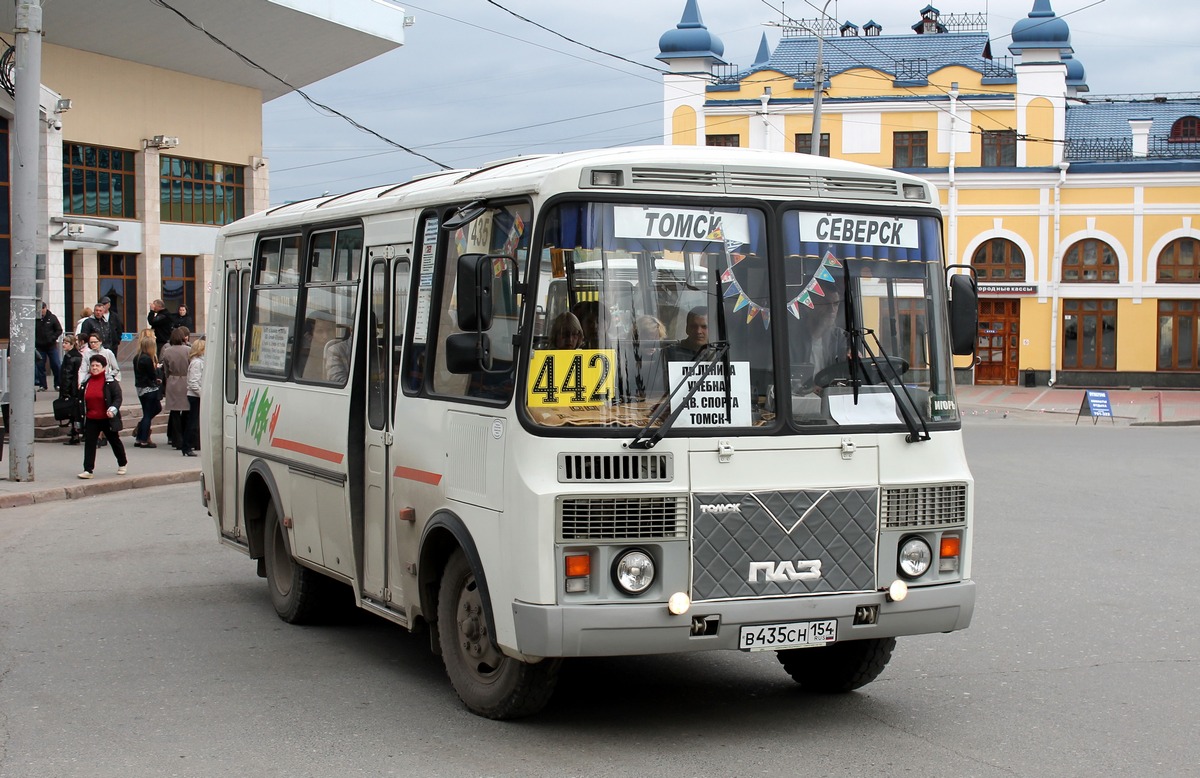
(421, 476)
(304, 448)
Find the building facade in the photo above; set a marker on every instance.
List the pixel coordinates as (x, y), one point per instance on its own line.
(151, 137)
(1078, 213)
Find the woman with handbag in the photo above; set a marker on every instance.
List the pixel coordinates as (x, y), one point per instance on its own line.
(66, 407)
(145, 378)
(100, 406)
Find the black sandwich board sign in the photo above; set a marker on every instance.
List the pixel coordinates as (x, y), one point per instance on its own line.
(1095, 404)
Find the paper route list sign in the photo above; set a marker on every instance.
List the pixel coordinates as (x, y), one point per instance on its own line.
(706, 408)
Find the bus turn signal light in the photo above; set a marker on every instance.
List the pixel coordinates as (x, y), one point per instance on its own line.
(948, 553)
(578, 569)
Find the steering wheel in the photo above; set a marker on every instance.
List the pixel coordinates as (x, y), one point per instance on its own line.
(872, 369)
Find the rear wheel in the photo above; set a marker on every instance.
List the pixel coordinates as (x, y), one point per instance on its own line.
(841, 667)
(486, 680)
(298, 594)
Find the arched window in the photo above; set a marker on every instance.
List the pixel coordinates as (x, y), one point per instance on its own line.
(1179, 262)
(999, 260)
(1090, 261)
(1185, 130)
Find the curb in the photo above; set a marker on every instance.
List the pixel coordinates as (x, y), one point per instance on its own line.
(93, 488)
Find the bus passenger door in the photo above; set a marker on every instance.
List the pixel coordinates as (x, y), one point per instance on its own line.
(237, 296)
(383, 580)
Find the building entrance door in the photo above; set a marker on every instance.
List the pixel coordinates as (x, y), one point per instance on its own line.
(999, 342)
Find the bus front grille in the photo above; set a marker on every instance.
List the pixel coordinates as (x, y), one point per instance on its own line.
(622, 518)
(614, 468)
(914, 507)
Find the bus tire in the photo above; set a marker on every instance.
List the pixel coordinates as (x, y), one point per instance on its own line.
(488, 682)
(838, 668)
(297, 593)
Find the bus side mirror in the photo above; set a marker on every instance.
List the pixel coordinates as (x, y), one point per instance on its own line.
(473, 287)
(467, 352)
(964, 314)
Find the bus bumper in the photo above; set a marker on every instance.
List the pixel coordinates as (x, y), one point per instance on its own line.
(617, 629)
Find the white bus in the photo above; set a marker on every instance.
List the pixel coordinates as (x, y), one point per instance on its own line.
(752, 443)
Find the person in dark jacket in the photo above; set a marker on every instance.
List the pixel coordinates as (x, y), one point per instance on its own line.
(100, 407)
(184, 319)
(145, 375)
(97, 324)
(45, 343)
(160, 321)
(68, 389)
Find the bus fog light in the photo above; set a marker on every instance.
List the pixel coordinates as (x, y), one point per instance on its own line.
(634, 571)
(679, 603)
(897, 591)
(915, 557)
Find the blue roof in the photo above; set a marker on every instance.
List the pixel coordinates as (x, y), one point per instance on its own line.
(1111, 120)
(896, 55)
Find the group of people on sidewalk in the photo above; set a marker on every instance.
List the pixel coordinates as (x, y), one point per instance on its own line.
(168, 372)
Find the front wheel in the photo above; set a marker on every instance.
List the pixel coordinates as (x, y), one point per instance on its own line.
(841, 667)
(300, 596)
(488, 682)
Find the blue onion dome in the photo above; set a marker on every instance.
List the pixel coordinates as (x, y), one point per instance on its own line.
(1042, 29)
(690, 38)
(1075, 72)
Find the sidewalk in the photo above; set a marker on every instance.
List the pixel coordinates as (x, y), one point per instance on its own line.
(1041, 404)
(57, 466)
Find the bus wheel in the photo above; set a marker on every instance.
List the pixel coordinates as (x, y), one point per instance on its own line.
(841, 667)
(488, 682)
(295, 590)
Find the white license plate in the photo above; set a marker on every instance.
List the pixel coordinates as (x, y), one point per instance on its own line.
(798, 634)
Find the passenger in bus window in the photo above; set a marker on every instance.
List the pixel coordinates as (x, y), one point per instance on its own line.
(318, 331)
(824, 343)
(587, 314)
(697, 337)
(337, 360)
(566, 332)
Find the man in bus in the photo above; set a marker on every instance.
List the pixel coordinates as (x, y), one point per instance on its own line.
(696, 330)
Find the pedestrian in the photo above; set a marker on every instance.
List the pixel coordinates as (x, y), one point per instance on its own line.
(84, 315)
(175, 366)
(184, 319)
(97, 324)
(159, 321)
(68, 387)
(195, 381)
(115, 327)
(93, 345)
(45, 345)
(145, 374)
(100, 407)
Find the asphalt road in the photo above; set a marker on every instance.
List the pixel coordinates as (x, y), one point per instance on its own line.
(132, 644)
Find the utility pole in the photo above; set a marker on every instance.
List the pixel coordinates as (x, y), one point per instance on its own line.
(25, 222)
(818, 83)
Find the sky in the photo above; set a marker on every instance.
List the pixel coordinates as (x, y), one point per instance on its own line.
(473, 83)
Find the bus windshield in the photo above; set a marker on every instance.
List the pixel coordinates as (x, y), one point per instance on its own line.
(651, 315)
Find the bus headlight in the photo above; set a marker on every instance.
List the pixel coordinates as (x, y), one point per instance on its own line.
(633, 571)
(915, 557)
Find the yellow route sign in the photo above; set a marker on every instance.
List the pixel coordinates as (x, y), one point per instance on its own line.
(562, 378)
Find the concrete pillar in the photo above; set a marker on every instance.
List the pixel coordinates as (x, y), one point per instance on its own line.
(149, 208)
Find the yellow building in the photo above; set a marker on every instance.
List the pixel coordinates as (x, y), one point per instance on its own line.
(1077, 213)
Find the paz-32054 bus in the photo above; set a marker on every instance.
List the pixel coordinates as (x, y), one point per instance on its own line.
(635, 401)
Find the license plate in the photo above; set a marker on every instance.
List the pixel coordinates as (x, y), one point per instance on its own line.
(798, 634)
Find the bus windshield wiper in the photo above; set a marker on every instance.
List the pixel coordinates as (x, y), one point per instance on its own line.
(713, 352)
(885, 366)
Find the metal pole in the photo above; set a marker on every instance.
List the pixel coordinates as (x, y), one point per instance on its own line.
(25, 221)
(818, 84)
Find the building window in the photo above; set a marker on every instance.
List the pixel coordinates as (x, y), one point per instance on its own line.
(1000, 148)
(118, 282)
(98, 181)
(910, 149)
(1177, 263)
(69, 314)
(732, 141)
(804, 143)
(178, 282)
(1177, 334)
(1185, 130)
(1090, 261)
(197, 192)
(999, 260)
(1089, 334)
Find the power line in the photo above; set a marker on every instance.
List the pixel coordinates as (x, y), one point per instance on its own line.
(314, 103)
